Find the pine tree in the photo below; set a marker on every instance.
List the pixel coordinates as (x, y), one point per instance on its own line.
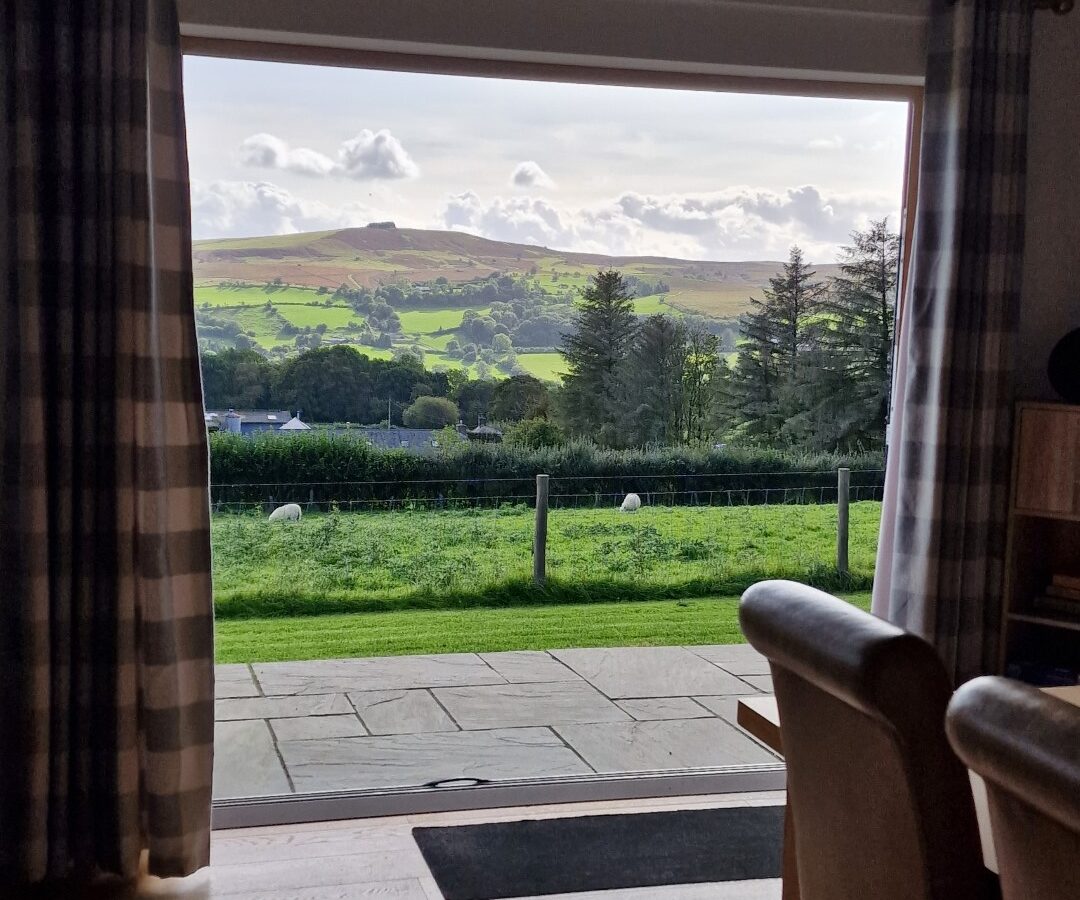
(701, 384)
(649, 386)
(777, 333)
(849, 394)
(605, 327)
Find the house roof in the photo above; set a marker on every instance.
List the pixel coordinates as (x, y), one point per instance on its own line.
(260, 416)
(294, 424)
(485, 430)
(397, 438)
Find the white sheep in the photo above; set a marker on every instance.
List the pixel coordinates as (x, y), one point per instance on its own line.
(290, 512)
(632, 503)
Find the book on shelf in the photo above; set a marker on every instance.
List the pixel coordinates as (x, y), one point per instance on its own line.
(1057, 606)
(1067, 582)
(1065, 593)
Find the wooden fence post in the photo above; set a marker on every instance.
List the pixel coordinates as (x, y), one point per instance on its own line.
(843, 492)
(540, 535)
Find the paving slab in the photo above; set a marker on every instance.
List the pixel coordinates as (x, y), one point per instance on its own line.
(652, 708)
(313, 728)
(725, 707)
(282, 707)
(660, 746)
(738, 659)
(624, 672)
(524, 666)
(246, 763)
(418, 759)
(761, 682)
(401, 712)
(516, 705)
(234, 680)
(379, 673)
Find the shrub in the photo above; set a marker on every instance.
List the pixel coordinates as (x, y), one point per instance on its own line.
(430, 412)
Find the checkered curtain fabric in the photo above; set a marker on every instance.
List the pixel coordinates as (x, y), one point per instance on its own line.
(940, 562)
(106, 640)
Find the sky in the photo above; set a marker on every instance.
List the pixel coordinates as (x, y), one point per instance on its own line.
(277, 148)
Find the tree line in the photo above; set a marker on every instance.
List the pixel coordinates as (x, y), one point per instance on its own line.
(811, 370)
(342, 384)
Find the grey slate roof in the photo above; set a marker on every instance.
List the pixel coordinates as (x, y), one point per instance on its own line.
(415, 439)
(273, 417)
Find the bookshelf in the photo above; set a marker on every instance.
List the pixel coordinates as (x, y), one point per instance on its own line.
(1043, 541)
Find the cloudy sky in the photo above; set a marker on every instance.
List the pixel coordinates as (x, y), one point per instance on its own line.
(279, 148)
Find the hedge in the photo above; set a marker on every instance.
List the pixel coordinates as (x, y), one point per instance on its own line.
(326, 468)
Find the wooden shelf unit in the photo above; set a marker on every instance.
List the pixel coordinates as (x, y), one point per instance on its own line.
(1043, 534)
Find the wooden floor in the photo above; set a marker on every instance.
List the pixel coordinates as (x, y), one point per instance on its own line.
(378, 859)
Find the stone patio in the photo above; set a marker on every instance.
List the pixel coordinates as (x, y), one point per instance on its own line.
(403, 721)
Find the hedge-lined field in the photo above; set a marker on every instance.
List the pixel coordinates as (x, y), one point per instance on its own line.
(443, 559)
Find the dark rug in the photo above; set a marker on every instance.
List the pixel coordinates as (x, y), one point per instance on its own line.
(594, 853)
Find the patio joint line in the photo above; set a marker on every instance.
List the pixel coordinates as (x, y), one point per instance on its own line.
(554, 729)
(356, 712)
(715, 715)
(281, 759)
(442, 706)
(255, 679)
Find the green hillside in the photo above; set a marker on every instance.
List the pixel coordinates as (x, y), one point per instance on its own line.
(448, 296)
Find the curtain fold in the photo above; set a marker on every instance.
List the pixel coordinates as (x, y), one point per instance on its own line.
(941, 555)
(106, 637)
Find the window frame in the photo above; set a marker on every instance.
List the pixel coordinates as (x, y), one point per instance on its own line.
(289, 809)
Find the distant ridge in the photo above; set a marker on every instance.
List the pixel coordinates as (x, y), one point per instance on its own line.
(381, 254)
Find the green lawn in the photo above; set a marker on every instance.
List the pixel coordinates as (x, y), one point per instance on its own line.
(439, 559)
(712, 620)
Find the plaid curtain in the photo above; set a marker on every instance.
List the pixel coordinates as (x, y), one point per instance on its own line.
(941, 556)
(106, 647)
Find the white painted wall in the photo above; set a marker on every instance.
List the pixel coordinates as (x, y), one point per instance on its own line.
(1051, 304)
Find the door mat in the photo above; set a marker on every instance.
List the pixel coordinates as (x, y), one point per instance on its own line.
(594, 853)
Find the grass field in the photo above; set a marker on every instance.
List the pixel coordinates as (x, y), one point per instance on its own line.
(441, 559)
(711, 620)
(426, 321)
(311, 316)
(545, 366)
(218, 295)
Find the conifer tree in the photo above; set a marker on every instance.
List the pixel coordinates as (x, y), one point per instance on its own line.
(848, 394)
(605, 327)
(777, 334)
(650, 392)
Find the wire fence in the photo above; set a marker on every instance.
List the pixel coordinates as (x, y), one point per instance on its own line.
(597, 492)
(378, 552)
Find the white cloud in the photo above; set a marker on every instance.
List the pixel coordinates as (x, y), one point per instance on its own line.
(268, 152)
(528, 174)
(370, 155)
(247, 208)
(830, 143)
(376, 155)
(736, 223)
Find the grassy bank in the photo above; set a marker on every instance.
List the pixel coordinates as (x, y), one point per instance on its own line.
(459, 559)
(712, 620)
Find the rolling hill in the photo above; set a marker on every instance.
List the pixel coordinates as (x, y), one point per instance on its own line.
(277, 292)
